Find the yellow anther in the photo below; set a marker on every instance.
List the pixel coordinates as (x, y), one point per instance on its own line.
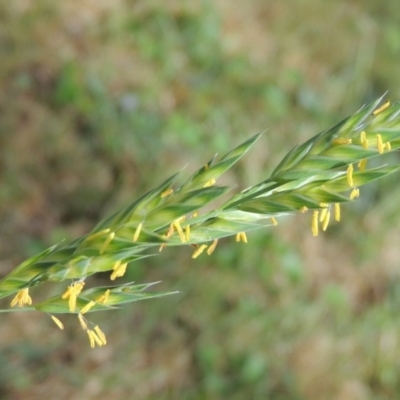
(118, 271)
(91, 338)
(187, 233)
(73, 290)
(94, 339)
(78, 286)
(116, 265)
(388, 146)
(199, 250)
(72, 293)
(162, 247)
(57, 322)
(362, 165)
(106, 243)
(382, 108)
(100, 334)
(350, 175)
(379, 143)
(72, 303)
(303, 209)
(314, 223)
(325, 222)
(212, 246)
(21, 298)
(342, 141)
(241, 237)
(322, 214)
(274, 221)
(211, 182)
(82, 321)
(195, 214)
(67, 293)
(354, 193)
(88, 306)
(170, 232)
(167, 192)
(364, 140)
(104, 297)
(98, 234)
(179, 229)
(137, 232)
(337, 212)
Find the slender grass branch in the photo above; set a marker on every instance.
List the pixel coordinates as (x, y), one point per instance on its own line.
(318, 175)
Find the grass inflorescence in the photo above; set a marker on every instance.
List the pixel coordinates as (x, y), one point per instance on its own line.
(315, 177)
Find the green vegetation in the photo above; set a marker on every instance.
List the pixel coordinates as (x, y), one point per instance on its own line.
(317, 175)
(100, 103)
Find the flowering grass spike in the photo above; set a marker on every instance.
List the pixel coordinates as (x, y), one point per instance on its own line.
(318, 175)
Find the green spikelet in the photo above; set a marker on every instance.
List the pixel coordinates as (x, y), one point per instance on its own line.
(320, 174)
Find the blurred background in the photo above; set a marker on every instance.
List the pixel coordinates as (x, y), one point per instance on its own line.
(102, 100)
